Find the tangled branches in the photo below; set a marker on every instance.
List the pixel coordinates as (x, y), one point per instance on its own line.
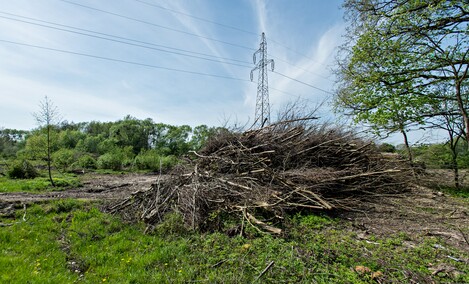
(265, 174)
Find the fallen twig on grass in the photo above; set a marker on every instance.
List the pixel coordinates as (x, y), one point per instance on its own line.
(265, 270)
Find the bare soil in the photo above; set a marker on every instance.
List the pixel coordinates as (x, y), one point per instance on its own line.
(95, 187)
(419, 213)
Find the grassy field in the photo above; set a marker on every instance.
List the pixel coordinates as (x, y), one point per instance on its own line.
(70, 241)
(39, 184)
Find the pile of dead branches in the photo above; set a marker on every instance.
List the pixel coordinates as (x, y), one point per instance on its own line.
(259, 176)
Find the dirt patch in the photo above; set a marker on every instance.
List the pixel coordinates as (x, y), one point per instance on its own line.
(419, 213)
(95, 187)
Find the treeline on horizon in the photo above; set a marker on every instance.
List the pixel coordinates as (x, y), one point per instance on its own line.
(136, 144)
(127, 144)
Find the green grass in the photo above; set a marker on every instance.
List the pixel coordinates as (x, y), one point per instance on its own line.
(463, 191)
(71, 241)
(39, 184)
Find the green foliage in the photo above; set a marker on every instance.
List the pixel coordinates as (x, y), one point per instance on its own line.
(439, 156)
(69, 138)
(90, 144)
(126, 144)
(38, 184)
(462, 192)
(154, 161)
(26, 185)
(70, 241)
(11, 141)
(87, 162)
(402, 62)
(116, 160)
(22, 169)
(67, 181)
(112, 161)
(386, 148)
(172, 225)
(64, 158)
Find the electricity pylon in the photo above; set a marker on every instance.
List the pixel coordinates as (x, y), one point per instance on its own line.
(262, 115)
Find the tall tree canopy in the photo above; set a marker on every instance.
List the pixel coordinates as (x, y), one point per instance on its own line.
(398, 55)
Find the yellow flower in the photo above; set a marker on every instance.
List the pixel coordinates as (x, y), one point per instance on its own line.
(246, 246)
(104, 279)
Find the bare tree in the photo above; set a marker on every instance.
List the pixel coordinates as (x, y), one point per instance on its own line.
(48, 117)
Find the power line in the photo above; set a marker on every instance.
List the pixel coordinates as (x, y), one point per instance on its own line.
(124, 42)
(192, 34)
(228, 27)
(124, 38)
(297, 52)
(304, 69)
(123, 61)
(157, 25)
(196, 17)
(301, 82)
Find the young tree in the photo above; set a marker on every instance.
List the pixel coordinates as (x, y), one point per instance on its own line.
(48, 117)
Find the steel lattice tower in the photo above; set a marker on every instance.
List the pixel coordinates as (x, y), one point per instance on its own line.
(262, 115)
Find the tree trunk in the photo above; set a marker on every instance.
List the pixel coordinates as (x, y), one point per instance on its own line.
(454, 162)
(462, 109)
(407, 146)
(49, 157)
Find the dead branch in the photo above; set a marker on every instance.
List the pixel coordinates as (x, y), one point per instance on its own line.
(266, 173)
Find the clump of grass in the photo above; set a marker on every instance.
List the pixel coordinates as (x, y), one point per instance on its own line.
(39, 184)
(462, 191)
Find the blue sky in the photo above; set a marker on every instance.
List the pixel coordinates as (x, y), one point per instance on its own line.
(43, 52)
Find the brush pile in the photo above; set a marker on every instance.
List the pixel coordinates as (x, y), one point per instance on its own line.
(261, 175)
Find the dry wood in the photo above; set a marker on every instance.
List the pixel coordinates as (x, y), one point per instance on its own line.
(265, 270)
(267, 173)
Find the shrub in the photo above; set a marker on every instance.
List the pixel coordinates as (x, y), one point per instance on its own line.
(22, 169)
(153, 161)
(87, 162)
(64, 158)
(387, 148)
(111, 161)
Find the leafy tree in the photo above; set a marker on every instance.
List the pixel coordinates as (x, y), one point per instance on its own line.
(69, 138)
(48, 119)
(398, 53)
(90, 144)
(11, 141)
(132, 132)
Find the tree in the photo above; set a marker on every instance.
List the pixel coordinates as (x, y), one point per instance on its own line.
(397, 54)
(48, 118)
(11, 140)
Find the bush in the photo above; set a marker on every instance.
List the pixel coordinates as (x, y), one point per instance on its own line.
(22, 169)
(153, 161)
(387, 148)
(87, 162)
(64, 158)
(111, 161)
(116, 159)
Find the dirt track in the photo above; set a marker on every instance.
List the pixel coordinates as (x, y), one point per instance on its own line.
(95, 187)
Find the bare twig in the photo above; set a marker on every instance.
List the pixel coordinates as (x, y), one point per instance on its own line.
(265, 270)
